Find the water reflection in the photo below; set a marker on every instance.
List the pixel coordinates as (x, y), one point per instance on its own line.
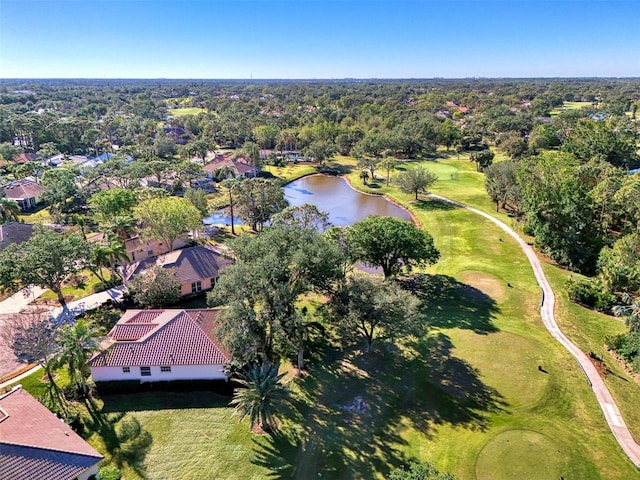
(344, 205)
(333, 195)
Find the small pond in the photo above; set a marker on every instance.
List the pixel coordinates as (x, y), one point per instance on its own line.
(333, 195)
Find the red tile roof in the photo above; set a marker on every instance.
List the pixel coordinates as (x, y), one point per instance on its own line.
(176, 337)
(35, 444)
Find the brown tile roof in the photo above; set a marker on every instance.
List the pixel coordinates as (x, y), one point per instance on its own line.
(14, 232)
(26, 157)
(177, 337)
(22, 189)
(240, 166)
(191, 264)
(35, 444)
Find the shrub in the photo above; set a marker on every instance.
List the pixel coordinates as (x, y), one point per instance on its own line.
(590, 293)
(109, 472)
(628, 347)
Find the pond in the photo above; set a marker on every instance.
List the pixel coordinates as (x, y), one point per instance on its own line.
(333, 195)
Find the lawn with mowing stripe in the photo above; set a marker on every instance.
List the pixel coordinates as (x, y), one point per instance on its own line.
(570, 106)
(195, 436)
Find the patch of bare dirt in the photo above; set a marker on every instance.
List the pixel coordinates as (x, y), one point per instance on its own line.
(487, 284)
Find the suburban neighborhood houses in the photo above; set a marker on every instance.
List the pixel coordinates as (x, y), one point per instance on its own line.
(301, 279)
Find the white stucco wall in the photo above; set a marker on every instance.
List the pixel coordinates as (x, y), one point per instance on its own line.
(92, 471)
(178, 372)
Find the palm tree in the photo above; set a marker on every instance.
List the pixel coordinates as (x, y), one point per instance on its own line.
(9, 210)
(117, 252)
(77, 344)
(229, 184)
(224, 173)
(631, 311)
(122, 226)
(100, 258)
(262, 395)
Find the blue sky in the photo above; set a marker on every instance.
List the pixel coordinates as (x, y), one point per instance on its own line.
(318, 39)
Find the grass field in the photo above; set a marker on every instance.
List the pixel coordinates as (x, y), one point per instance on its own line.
(570, 106)
(468, 395)
(181, 112)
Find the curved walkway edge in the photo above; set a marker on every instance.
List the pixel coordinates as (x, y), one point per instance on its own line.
(607, 404)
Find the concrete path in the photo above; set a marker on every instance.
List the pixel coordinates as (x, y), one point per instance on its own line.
(607, 404)
(91, 302)
(19, 301)
(17, 378)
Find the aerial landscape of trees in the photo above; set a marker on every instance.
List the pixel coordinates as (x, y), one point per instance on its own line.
(125, 161)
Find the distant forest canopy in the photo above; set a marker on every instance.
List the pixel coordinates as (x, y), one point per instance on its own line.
(411, 116)
(566, 145)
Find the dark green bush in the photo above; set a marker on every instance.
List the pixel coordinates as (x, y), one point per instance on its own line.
(590, 293)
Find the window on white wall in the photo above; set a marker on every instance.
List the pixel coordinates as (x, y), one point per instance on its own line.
(165, 369)
(126, 369)
(145, 371)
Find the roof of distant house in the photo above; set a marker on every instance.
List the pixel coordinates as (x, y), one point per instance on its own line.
(163, 337)
(239, 165)
(191, 264)
(37, 445)
(21, 189)
(14, 232)
(26, 157)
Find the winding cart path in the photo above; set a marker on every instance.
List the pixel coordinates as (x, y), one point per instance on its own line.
(607, 404)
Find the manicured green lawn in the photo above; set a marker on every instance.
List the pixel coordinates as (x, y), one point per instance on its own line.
(570, 106)
(78, 290)
(195, 435)
(181, 112)
(38, 217)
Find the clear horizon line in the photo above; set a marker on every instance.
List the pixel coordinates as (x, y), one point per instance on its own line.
(250, 79)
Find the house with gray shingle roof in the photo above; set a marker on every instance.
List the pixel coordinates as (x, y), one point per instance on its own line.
(37, 445)
(196, 267)
(14, 232)
(160, 346)
(26, 192)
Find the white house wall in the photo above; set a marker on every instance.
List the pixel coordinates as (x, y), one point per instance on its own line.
(178, 372)
(92, 471)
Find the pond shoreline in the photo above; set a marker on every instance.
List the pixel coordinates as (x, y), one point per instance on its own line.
(390, 200)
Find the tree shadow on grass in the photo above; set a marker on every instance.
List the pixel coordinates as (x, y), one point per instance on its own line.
(125, 441)
(353, 411)
(164, 400)
(433, 204)
(452, 304)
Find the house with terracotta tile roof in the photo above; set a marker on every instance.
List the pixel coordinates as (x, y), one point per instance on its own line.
(196, 267)
(161, 346)
(26, 192)
(239, 166)
(37, 445)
